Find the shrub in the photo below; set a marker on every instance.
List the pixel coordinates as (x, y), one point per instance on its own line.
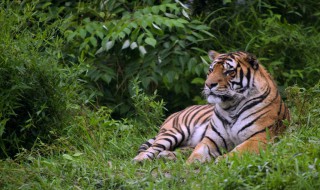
(36, 94)
(160, 43)
(283, 34)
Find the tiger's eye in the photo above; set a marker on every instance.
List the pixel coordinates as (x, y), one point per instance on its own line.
(232, 73)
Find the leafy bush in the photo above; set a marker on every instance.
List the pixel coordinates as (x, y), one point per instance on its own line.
(283, 34)
(160, 43)
(148, 111)
(37, 96)
(305, 103)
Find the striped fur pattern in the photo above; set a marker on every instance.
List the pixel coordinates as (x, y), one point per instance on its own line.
(247, 113)
(182, 129)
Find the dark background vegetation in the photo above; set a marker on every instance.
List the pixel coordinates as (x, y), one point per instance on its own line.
(84, 76)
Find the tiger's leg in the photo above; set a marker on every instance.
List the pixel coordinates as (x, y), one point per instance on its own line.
(163, 142)
(146, 145)
(204, 151)
(167, 154)
(152, 152)
(253, 145)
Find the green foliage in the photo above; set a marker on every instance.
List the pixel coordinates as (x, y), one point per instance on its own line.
(283, 34)
(98, 152)
(62, 60)
(305, 104)
(158, 43)
(36, 94)
(147, 110)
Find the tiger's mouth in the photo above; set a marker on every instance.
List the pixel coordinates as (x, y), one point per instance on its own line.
(222, 97)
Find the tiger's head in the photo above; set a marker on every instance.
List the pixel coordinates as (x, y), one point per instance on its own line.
(230, 76)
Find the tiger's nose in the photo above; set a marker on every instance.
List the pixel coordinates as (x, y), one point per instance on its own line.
(211, 85)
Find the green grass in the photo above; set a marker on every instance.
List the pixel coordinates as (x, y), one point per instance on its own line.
(93, 151)
(106, 163)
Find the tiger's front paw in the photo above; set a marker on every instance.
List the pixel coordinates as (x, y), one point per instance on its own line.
(142, 156)
(196, 157)
(167, 155)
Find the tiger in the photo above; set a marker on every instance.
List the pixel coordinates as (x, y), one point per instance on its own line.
(244, 113)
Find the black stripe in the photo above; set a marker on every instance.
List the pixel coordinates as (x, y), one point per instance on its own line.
(217, 132)
(237, 83)
(147, 143)
(270, 102)
(194, 114)
(186, 115)
(256, 111)
(241, 77)
(202, 116)
(229, 59)
(252, 122)
(170, 117)
(169, 140)
(152, 154)
(248, 75)
(189, 132)
(280, 108)
(142, 149)
(223, 120)
(203, 134)
(159, 146)
(261, 131)
(173, 136)
(254, 101)
(182, 136)
(215, 144)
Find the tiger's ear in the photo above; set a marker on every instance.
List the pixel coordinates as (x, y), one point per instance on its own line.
(253, 61)
(213, 54)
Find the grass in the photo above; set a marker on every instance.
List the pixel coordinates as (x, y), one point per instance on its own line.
(95, 152)
(102, 159)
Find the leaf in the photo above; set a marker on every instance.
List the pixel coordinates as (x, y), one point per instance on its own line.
(126, 44)
(183, 5)
(197, 81)
(163, 8)
(2, 125)
(142, 50)
(99, 50)
(82, 33)
(106, 78)
(77, 154)
(151, 41)
(139, 40)
(100, 34)
(133, 45)
(185, 14)
(156, 26)
(89, 28)
(122, 35)
(155, 9)
(93, 41)
(109, 45)
(170, 76)
(67, 157)
(170, 15)
(70, 35)
(127, 31)
(204, 61)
